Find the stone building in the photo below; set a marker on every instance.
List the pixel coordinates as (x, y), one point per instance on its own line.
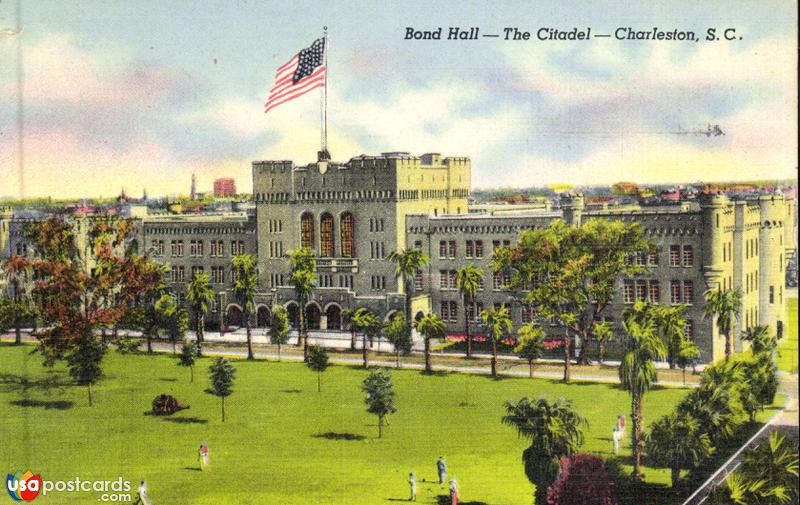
(354, 214)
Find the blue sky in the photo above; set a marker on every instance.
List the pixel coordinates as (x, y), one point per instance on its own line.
(142, 94)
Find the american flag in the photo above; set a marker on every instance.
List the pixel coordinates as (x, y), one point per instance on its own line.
(304, 72)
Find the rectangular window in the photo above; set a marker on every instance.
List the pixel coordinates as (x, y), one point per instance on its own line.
(177, 248)
(675, 292)
(655, 291)
(453, 279)
(688, 256)
(158, 247)
(444, 310)
(470, 249)
(418, 281)
(688, 292)
(652, 258)
(641, 258)
(479, 249)
(495, 244)
(442, 249)
(196, 248)
(444, 277)
(772, 294)
(453, 311)
(674, 255)
(497, 280)
(418, 244)
(527, 314)
(627, 291)
(452, 249)
(196, 270)
(641, 290)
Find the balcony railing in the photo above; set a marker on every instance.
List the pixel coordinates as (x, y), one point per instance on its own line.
(342, 265)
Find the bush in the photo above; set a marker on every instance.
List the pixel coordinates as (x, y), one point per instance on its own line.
(583, 481)
(127, 345)
(166, 405)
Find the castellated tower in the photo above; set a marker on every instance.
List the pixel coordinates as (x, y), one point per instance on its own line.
(771, 252)
(717, 254)
(572, 205)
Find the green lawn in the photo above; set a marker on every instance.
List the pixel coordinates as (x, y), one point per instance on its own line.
(272, 449)
(787, 359)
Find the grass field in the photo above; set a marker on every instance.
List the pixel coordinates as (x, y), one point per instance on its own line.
(283, 443)
(787, 359)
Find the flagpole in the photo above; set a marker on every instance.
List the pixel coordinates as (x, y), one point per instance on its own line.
(324, 154)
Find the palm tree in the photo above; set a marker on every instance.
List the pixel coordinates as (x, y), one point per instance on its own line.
(761, 340)
(725, 306)
(304, 277)
(245, 291)
(776, 463)
(554, 430)
(409, 262)
(603, 332)
(499, 323)
(677, 441)
(671, 322)
(368, 324)
(637, 373)
(468, 281)
(430, 326)
(200, 295)
(17, 269)
(347, 317)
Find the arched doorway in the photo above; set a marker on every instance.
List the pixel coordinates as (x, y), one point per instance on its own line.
(313, 316)
(291, 311)
(334, 316)
(263, 317)
(233, 316)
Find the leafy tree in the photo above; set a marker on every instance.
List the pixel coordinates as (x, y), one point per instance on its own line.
(761, 340)
(554, 430)
(380, 395)
(17, 271)
(430, 326)
(583, 481)
(222, 375)
(318, 361)
(569, 274)
(637, 373)
(498, 321)
(368, 324)
(468, 280)
(303, 278)
(187, 358)
(725, 306)
(396, 331)
(245, 266)
(279, 329)
(172, 318)
(409, 262)
(84, 362)
(686, 356)
(603, 332)
(13, 313)
(531, 344)
(200, 296)
(678, 442)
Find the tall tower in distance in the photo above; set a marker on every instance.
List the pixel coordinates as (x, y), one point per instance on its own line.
(193, 192)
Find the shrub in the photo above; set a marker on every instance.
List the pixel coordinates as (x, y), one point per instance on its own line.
(583, 481)
(166, 405)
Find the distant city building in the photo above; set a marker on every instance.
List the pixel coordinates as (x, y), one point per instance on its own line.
(225, 186)
(193, 191)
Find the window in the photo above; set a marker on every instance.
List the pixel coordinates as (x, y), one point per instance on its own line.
(674, 255)
(444, 310)
(442, 249)
(196, 270)
(479, 249)
(217, 248)
(688, 292)
(772, 294)
(177, 247)
(452, 249)
(470, 249)
(453, 311)
(497, 281)
(641, 290)
(443, 279)
(218, 275)
(675, 292)
(641, 258)
(688, 256)
(306, 231)
(495, 244)
(453, 279)
(347, 225)
(627, 291)
(158, 247)
(195, 248)
(527, 314)
(326, 235)
(655, 291)
(652, 257)
(418, 281)
(481, 283)
(178, 273)
(418, 244)
(237, 247)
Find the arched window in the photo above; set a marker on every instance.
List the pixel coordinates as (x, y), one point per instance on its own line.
(347, 227)
(326, 235)
(307, 231)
